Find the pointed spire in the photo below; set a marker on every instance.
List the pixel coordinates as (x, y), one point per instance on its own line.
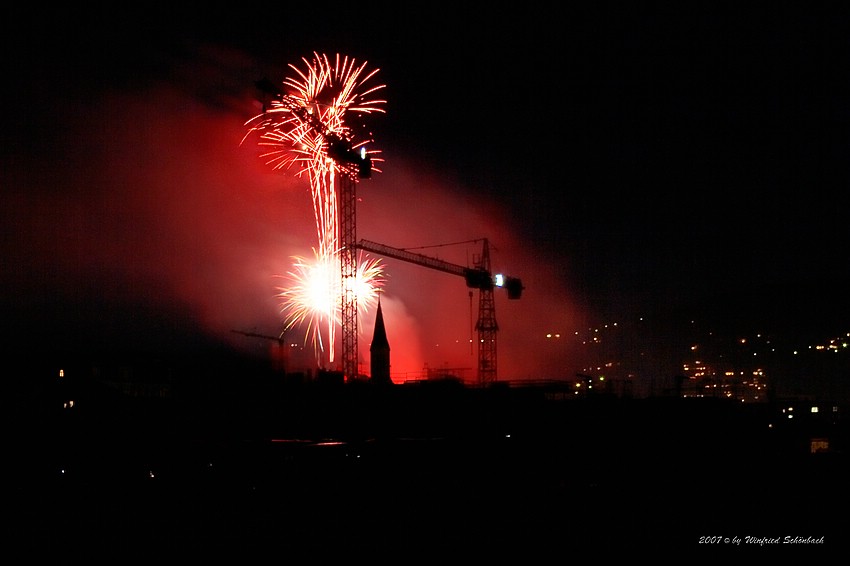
(379, 338)
(380, 349)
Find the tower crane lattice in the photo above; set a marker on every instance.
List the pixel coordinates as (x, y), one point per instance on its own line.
(477, 277)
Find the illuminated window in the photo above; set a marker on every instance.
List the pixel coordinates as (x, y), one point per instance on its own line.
(819, 445)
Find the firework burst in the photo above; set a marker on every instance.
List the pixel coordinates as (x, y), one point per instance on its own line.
(298, 132)
(310, 296)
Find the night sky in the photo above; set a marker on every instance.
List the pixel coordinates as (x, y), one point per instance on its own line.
(676, 163)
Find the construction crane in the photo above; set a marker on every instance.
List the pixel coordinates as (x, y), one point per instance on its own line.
(280, 359)
(476, 277)
(353, 165)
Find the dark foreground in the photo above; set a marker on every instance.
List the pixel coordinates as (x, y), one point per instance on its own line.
(412, 479)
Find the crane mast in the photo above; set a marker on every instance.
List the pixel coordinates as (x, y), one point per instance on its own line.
(486, 325)
(477, 277)
(348, 269)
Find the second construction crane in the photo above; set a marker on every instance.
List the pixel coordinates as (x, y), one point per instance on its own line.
(477, 277)
(280, 358)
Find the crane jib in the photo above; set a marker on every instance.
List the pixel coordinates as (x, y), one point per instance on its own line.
(476, 277)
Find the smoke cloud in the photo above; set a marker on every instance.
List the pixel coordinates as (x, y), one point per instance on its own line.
(144, 223)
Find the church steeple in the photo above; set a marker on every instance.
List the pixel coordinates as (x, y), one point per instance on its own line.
(380, 350)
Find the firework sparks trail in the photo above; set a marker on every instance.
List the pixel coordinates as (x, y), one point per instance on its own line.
(297, 131)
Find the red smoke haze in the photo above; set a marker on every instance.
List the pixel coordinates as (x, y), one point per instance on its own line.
(159, 207)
